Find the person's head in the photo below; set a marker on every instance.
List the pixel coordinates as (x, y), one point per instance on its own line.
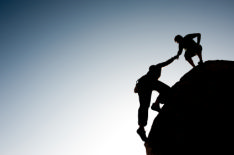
(178, 38)
(152, 70)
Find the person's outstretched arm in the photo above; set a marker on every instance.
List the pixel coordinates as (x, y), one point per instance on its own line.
(180, 50)
(163, 64)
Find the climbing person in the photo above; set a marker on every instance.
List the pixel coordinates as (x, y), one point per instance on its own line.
(144, 87)
(191, 47)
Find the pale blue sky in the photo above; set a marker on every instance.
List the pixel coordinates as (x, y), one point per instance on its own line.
(68, 69)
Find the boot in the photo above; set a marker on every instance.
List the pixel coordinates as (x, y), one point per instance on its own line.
(141, 133)
(156, 107)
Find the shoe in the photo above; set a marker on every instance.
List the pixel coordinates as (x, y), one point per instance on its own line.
(141, 133)
(155, 108)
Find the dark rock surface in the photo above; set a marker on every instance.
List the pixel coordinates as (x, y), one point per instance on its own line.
(198, 118)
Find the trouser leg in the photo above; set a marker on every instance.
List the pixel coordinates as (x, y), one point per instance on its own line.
(144, 98)
(188, 56)
(163, 90)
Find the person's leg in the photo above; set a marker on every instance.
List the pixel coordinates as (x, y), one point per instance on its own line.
(144, 98)
(163, 90)
(156, 105)
(188, 56)
(190, 61)
(199, 54)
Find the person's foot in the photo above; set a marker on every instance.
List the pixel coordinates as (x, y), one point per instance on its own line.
(141, 133)
(156, 107)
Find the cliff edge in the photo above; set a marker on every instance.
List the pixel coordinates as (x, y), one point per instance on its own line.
(198, 118)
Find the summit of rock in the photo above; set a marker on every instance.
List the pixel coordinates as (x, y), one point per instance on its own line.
(198, 118)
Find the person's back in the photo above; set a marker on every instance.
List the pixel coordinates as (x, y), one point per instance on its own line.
(189, 43)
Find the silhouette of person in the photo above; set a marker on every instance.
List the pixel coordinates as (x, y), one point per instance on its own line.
(144, 87)
(191, 47)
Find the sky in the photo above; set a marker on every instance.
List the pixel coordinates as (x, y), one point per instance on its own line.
(68, 68)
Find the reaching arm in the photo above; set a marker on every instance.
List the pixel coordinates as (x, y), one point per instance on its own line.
(163, 64)
(180, 50)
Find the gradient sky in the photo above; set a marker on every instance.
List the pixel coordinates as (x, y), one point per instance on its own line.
(68, 69)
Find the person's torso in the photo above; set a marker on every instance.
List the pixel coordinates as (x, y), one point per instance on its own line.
(189, 43)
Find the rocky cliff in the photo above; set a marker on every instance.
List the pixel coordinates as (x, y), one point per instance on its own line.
(198, 118)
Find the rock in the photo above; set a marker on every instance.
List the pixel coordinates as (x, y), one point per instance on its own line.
(198, 118)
